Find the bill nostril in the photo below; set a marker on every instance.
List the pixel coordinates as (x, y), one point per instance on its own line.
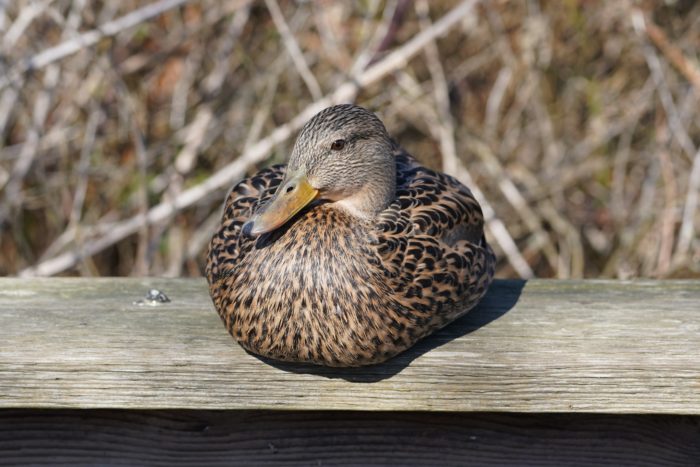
(290, 189)
(247, 229)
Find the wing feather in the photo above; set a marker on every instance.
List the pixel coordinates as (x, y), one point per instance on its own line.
(228, 244)
(431, 243)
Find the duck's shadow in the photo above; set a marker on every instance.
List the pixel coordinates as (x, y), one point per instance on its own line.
(500, 299)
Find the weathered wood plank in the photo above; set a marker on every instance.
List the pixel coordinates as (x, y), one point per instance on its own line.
(266, 438)
(541, 346)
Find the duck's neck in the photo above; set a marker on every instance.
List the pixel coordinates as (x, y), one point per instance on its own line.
(372, 198)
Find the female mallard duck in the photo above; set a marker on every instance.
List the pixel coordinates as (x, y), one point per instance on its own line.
(349, 254)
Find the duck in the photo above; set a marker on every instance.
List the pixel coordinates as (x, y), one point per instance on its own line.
(350, 253)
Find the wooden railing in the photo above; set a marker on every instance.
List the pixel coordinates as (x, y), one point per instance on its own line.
(523, 364)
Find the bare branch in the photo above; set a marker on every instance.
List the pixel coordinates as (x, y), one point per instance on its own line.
(654, 64)
(293, 48)
(255, 153)
(451, 163)
(91, 38)
(674, 55)
(24, 19)
(81, 187)
(493, 104)
(194, 138)
(690, 211)
(29, 150)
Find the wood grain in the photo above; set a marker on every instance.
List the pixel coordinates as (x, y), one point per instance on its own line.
(540, 346)
(310, 438)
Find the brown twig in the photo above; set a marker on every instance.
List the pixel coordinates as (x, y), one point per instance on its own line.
(450, 161)
(668, 218)
(257, 152)
(672, 53)
(90, 38)
(294, 50)
(675, 123)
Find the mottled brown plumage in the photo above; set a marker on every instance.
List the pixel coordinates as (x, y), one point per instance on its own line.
(387, 252)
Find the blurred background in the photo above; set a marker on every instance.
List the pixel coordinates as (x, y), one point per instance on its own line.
(575, 122)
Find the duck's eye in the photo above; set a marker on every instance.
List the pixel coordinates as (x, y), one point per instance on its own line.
(338, 144)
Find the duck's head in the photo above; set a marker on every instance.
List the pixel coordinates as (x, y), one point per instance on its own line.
(343, 155)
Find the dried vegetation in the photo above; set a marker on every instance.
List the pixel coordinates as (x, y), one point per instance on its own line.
(576, 122)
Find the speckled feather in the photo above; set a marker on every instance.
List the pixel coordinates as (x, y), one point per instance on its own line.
(334, 290)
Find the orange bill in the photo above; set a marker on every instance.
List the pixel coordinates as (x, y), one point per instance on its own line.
(290, 198)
